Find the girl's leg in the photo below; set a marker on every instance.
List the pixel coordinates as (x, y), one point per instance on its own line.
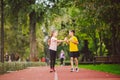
(54, 59)
(51, 59)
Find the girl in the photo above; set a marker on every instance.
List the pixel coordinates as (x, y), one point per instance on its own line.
(53, 43)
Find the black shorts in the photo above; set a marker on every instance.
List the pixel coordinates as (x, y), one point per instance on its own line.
(74, 54)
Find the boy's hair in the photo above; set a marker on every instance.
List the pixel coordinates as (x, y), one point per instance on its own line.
(72, 31)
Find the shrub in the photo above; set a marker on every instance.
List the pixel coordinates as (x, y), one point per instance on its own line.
(13, 66)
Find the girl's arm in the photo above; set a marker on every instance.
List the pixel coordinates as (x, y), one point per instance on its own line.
(67, 41)
(59, 41)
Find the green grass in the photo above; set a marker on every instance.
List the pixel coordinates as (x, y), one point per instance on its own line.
(110, 68)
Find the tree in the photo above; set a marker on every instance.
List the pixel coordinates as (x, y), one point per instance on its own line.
(34, 11)
(32, 24)
(89, 18)
(16, 27)
(110, 15)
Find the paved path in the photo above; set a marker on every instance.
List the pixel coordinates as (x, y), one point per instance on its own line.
(62, 73)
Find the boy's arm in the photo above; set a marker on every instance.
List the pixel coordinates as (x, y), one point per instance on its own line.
(66, 40)
(75, 41)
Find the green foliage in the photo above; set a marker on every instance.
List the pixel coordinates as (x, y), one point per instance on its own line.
(93, 20)
(16, 40)
(14, 66)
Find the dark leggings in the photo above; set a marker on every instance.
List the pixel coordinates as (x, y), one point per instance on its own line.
(52, 58)
(61, 61)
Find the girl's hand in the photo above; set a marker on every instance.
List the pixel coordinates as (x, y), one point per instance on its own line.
(65, 39)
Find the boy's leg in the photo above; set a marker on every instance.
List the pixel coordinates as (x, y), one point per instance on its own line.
(76, 62)
(71, 60)
(76, 59)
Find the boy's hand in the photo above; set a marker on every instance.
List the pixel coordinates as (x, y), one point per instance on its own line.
(65, 39)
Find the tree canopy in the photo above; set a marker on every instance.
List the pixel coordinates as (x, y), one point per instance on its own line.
(28, 24)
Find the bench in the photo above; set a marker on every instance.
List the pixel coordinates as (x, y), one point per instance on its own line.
(107, 59)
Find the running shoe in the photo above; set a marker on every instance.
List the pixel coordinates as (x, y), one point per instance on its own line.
(51, 70)
(54, 70)
(77, 69)
(72, 70)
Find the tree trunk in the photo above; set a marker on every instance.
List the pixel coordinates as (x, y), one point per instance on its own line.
(100, 34)
(115, 39)
(118, 40)
(33, 47)
(95, 43)
(2, 33)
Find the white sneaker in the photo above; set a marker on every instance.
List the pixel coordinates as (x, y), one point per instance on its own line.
(72, 70)
(77, 69)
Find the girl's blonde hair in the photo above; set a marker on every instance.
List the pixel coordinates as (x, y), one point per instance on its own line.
(53, 33)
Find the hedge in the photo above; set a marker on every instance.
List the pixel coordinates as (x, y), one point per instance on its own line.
(14, 66)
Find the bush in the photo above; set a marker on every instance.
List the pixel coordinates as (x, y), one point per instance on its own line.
(13, 66)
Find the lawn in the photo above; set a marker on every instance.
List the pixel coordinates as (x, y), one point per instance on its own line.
(110, 68)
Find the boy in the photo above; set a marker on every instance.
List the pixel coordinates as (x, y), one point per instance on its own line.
(74, 52)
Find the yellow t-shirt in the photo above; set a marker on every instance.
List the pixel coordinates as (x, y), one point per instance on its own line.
(72, 46)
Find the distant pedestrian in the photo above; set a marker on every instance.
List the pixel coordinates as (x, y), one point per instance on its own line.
(62, 58)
